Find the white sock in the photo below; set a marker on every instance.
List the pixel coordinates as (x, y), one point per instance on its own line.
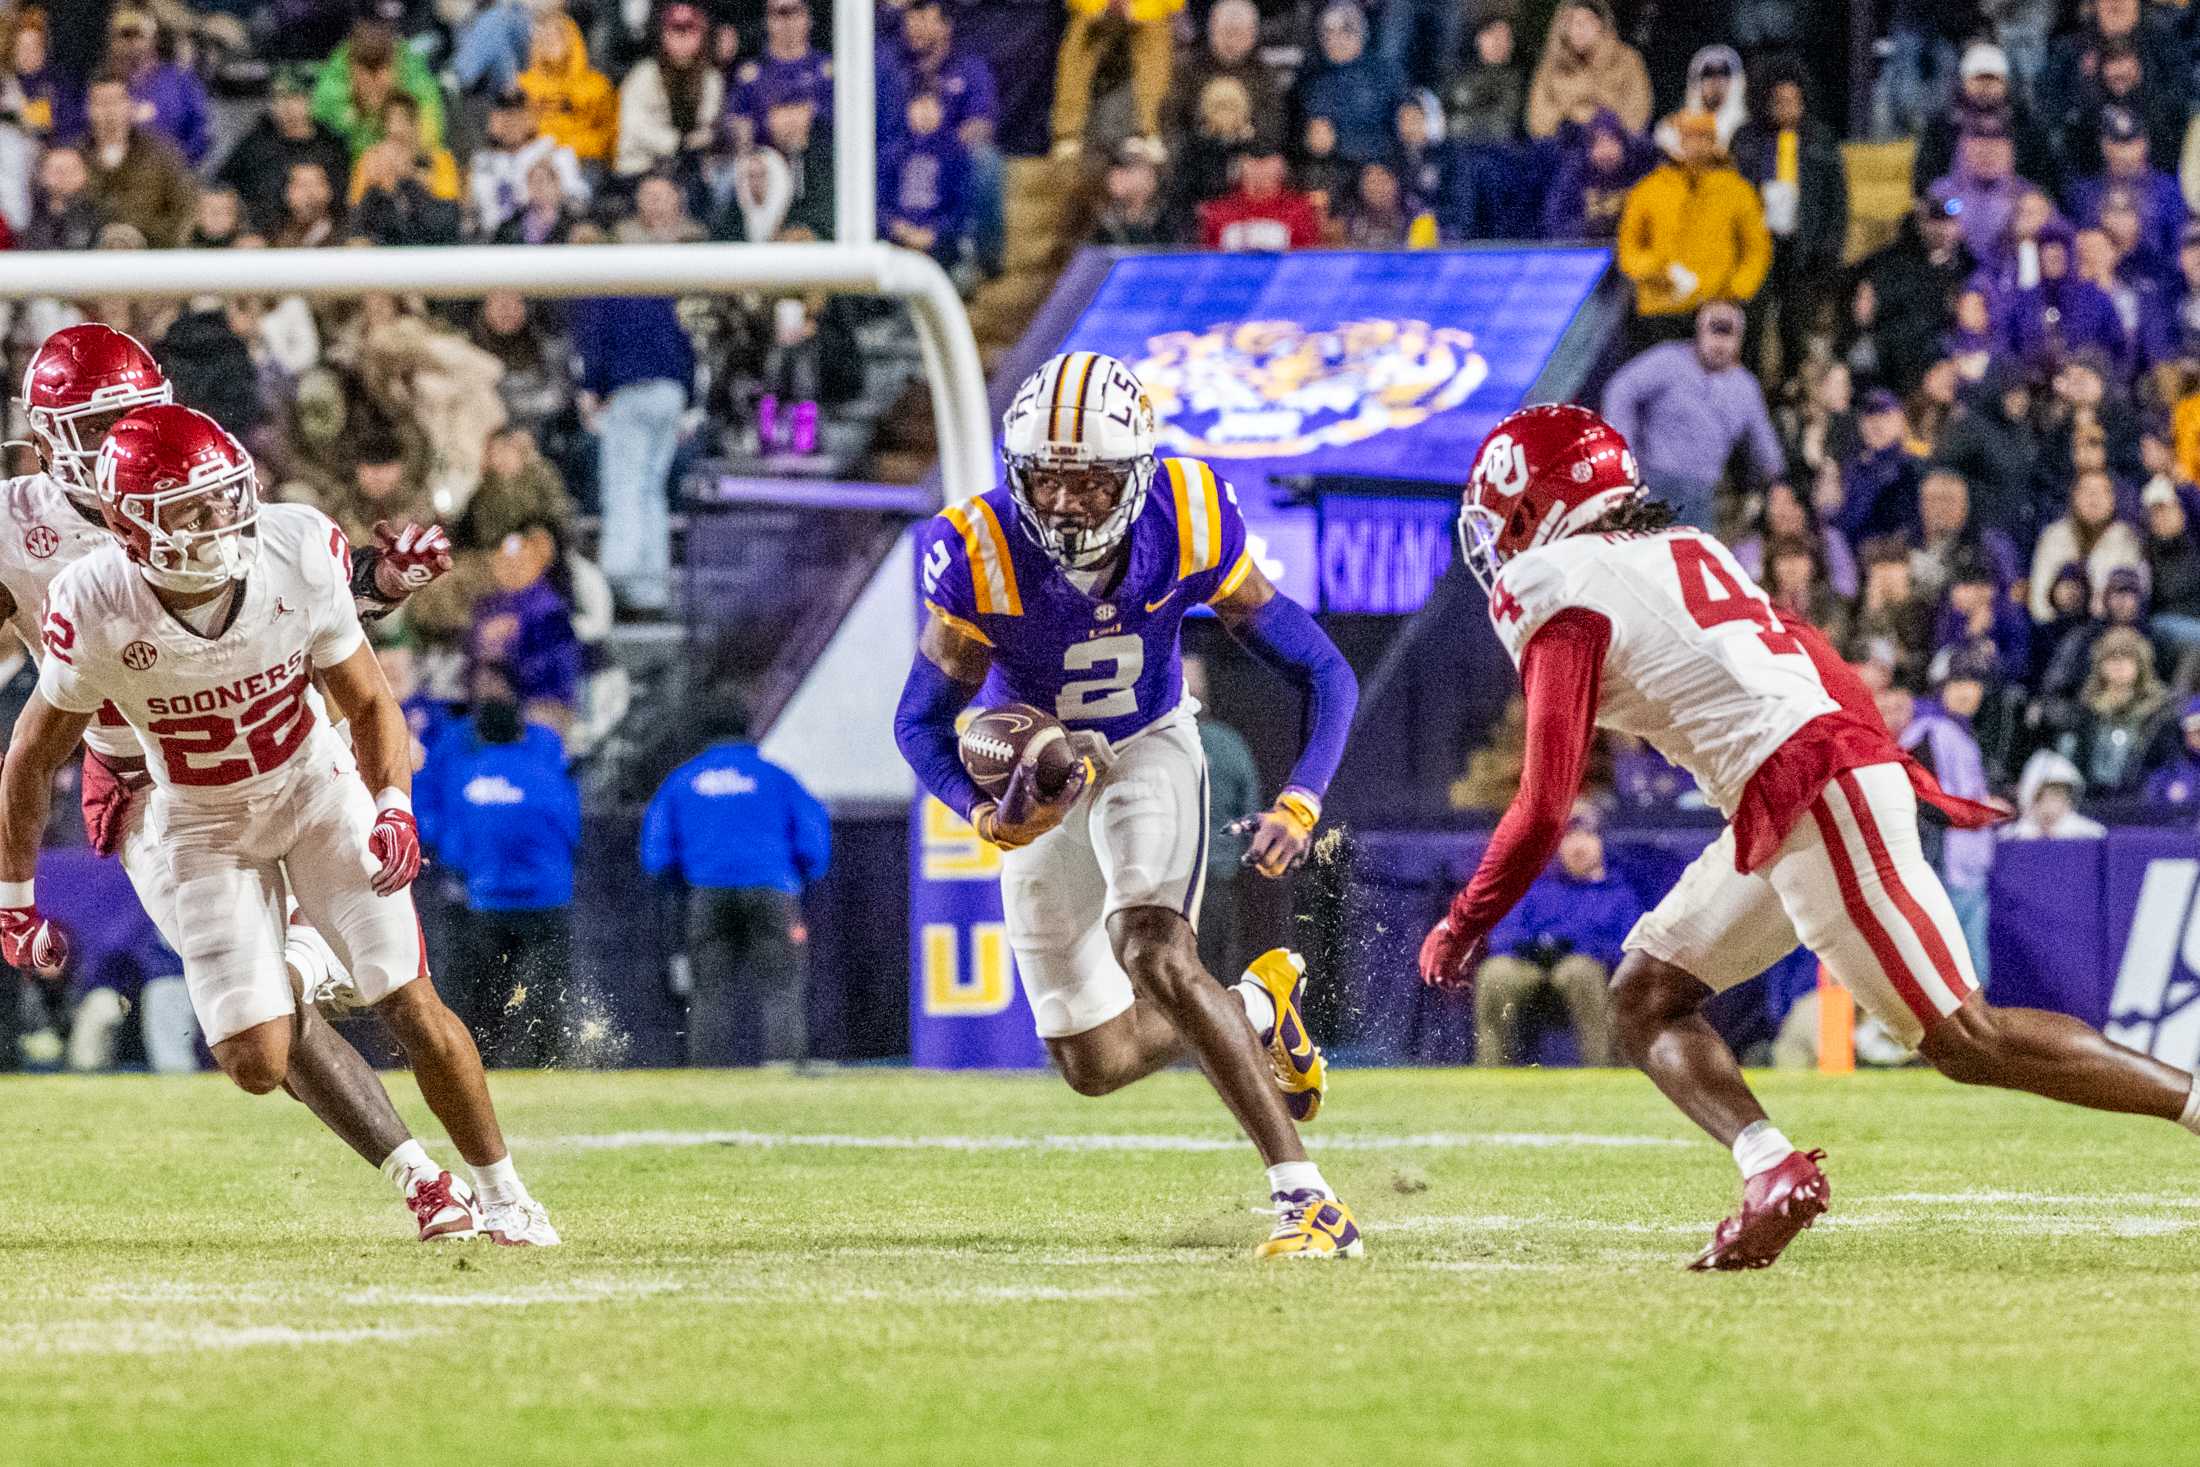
(1297, 1176)
(497, 1182)
(2190, 1120)
(1259, 1007)
(1760, 1148)
(408, 1161)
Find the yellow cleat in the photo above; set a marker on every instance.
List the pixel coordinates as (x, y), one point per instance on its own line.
(1301, 1072)
(1309, 1225)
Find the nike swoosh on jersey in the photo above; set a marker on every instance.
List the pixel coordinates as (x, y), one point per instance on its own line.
(1154, 606)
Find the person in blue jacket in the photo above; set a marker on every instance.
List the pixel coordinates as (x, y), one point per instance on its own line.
(502, 811)
(1565, 935)
(745, 837)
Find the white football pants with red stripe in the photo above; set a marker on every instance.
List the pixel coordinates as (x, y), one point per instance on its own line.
(1850, 883)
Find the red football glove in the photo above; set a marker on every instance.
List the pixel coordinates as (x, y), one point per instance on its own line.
(107, 800)
(395, 842)
(32, 942)
(1450, 956)
(411, 557)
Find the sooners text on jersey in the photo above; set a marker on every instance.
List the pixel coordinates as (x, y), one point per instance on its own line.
(219, 716)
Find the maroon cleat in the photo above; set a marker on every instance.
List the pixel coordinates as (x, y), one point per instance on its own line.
(1776, 1205)
(445, 1209)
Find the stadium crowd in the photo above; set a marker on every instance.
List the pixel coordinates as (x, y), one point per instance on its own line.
(1971, 454)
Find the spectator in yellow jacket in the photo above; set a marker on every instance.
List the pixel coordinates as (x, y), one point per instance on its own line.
(576, 102)
(1146, 29)
(1692, 231)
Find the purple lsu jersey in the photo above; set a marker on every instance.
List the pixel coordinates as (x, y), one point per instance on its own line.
(1112, 664)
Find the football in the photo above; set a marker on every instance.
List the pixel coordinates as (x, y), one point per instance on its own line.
(997, 740)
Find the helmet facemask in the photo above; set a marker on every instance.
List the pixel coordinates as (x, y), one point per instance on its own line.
(195, 537)
(1080, 548)
(69, 437)
(1478, 529)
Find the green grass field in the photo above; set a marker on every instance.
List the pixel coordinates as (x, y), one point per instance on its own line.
(189, 1275)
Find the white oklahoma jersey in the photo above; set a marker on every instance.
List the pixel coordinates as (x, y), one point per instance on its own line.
(1701, 667)
(252, 786)
(41, 535)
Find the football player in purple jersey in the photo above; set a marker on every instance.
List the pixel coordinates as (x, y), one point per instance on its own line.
(1067, 589)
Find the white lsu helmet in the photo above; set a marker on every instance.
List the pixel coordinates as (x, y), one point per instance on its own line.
(1082, 410)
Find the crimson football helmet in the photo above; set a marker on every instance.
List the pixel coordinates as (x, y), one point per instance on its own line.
(1543, 473)
(80, 382)
(181, 495)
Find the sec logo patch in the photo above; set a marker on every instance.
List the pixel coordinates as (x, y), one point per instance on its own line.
(41, 540)
(139, 655)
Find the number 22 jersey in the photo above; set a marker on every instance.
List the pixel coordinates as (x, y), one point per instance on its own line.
(1112, 664)
(221, 717)
(1699, 666)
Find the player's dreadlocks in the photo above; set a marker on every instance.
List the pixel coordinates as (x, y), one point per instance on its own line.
(1641, 515)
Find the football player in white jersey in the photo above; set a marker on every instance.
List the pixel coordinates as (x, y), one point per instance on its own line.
(79, 382)
(204, 623)
(1620, 618)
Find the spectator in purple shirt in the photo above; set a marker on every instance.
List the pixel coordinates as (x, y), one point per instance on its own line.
(1984, 180)
(43, 99)
(2161, 204)
(2063, 314)
(789, 70)
(921, 183)
(1976, 613)
(970, 109)
(1601, 163)
(1687, 405)
(1938, 734)
(525, 625)
(2176, 785)
(170, 100)
(1878, 484)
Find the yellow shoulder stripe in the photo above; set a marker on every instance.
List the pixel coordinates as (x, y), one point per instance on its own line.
(1234, 579)
(969, 629)
(1198, 516)
(985, 546)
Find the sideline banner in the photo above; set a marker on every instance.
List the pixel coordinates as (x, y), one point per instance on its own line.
(1388, 365)
(966, 1009)
(2105, 930)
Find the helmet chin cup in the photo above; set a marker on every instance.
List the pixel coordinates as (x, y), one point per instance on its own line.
(204, 561)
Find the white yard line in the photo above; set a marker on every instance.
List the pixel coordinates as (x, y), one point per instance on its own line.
(2047, 1199)
(137, 1337)
(1546, 1224)
(1426, 1141)
(571, 1291)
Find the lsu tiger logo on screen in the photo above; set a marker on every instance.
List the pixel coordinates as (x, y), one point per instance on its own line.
(1283, 389)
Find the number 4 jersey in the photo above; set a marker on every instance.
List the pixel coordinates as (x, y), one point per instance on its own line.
(222, 715)
(1699, 665)
(1111, 663)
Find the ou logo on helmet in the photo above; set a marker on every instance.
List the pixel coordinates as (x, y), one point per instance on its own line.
(1504, 466)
